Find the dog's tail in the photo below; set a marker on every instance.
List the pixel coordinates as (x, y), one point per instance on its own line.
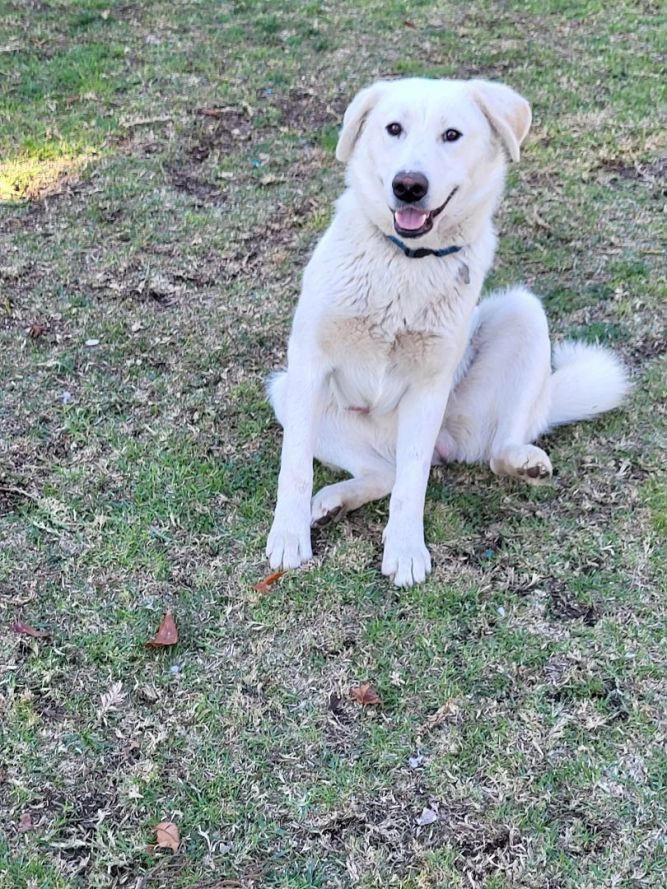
(587, 380)
(276, 391)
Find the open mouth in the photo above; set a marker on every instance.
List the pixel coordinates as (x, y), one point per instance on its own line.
(411, 222)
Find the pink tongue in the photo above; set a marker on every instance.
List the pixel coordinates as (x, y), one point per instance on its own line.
(410, 219)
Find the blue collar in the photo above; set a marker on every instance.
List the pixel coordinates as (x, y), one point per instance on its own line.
(422, 251)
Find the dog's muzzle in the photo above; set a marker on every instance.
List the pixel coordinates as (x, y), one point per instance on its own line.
(413, 222)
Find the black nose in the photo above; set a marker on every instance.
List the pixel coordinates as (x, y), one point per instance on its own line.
(409, 187)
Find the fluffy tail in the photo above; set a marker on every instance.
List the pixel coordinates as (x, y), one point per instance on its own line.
(276, 391)
(587, 380)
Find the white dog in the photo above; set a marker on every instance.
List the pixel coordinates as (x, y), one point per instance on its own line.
(392, 366)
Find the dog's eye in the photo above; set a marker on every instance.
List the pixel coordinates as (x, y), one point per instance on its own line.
(394, 129)
(451, 135)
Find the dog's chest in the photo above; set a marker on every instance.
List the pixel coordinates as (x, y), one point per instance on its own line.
(373, 362)
(390, 323)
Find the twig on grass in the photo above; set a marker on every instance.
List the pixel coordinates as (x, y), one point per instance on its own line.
(10, 489)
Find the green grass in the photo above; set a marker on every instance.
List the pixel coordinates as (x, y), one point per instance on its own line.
(165, 171)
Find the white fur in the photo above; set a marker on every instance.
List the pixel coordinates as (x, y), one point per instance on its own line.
(392, 365)
(587, 380)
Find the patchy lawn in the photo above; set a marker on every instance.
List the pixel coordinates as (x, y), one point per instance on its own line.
(165, 170)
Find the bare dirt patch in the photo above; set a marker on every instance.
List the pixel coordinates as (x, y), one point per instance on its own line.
(226, 129)
(655, 172)
(565, 607)
(203, 192)
(304, 110)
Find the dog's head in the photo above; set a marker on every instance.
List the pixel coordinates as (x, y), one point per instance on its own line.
(423, 155)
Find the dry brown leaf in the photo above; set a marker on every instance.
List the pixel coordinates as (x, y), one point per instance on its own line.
(365, 694)
(449, 709)
(167, 836)
(167, 633)
(36, 330)
(264, 585)
(26, 630)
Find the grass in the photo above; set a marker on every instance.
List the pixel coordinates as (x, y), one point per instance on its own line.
(165, 170)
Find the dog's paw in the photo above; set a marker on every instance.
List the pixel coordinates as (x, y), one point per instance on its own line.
(327, 506)
(405, 559)
(536, 468)
(526, 462)
(288, 548)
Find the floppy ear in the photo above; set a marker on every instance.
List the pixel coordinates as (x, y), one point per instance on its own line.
(355, 116)
(508, 113)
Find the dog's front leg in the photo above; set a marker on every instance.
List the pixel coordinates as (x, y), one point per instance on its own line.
(420, 414)
(288, 543)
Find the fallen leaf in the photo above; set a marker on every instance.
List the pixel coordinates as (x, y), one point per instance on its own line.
(36, 330)
(266, 583)
(443, 713)
(25, 822)
(167, 634)
(428, 816)
(365, 694)
(27, 630)
(167, 836)
(111, 700)
(409, 23)
(148, 693)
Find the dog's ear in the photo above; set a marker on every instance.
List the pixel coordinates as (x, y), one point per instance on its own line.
(508, 113)
(355, 116)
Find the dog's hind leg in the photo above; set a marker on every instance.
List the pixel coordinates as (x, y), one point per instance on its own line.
(522, 415)
(333, 501)
(502, 403)
(346, 441)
